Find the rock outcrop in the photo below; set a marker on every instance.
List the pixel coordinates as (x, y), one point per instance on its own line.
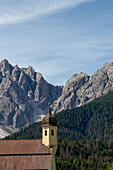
(81, 88)
(24, 95)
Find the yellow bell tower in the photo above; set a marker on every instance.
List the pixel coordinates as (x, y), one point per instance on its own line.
(49, 130)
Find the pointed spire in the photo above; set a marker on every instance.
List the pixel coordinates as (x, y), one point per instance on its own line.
(49, 112)
(49, 119)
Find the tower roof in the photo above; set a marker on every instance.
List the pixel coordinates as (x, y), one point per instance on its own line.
(49, 119)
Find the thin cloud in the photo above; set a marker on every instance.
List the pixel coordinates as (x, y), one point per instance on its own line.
(19, 11)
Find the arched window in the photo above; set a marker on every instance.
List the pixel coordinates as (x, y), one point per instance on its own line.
(52, 132)
(45, 132)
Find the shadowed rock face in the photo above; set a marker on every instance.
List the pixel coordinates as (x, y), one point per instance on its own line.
(23, 95)
(81, 88)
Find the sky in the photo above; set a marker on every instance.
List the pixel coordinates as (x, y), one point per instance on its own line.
(58, 38)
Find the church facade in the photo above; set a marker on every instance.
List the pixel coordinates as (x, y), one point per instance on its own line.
(31, 154)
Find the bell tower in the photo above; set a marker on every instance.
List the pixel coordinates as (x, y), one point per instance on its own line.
(49, 130)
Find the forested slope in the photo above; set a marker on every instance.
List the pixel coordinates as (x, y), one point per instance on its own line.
(84, 155)
(91, 121)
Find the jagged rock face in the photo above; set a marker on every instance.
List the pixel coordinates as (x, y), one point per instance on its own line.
(81, 88)
(23, 95)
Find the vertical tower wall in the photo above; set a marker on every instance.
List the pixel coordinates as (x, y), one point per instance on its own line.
(49, 140)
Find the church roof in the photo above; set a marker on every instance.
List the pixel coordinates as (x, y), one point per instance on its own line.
(29, 162)
(24, 154)
(26, 146)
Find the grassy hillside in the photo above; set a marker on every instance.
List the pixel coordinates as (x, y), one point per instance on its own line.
(91, 121)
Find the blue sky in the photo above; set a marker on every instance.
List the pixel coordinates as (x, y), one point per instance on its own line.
(57, 38)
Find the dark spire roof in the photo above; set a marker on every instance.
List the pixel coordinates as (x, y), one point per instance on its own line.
(49, 119)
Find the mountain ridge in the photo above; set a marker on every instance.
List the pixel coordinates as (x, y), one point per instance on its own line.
(82, 88)
(25, 94)
(92, 121)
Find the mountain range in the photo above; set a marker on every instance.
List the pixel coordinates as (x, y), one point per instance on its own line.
(82, 88)
(24, 93)
(92, 121)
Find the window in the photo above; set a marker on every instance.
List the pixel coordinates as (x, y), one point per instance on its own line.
(52, 132)
(45, 132)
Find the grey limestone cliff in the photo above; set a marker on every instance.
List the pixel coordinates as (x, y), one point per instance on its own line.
(23, 95)
(81, 88)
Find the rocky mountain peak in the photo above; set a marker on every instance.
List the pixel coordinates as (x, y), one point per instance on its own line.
(30, 71)
(16, 67)
(31, 68)
(108, 67)
(5, 67)
(75, 81)
(24, 93)
(81, 88)
(5, 63)
(39, 77)
(78, 76)
(108, 64)
(16, 73)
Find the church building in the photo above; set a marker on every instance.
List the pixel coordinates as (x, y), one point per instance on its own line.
(32, 154)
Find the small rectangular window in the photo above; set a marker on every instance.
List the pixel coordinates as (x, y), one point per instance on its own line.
(45, 132)
(52, 132)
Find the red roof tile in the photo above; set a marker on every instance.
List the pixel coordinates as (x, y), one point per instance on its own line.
(24, 154)
(23, 147)
(26, 162)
